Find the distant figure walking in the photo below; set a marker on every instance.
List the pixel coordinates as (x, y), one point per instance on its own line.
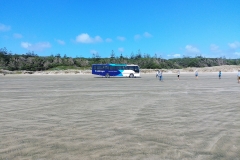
(196, 74)
(160, 75)
(178, 75)
(219, 74)
(238, 76)
(157, 73)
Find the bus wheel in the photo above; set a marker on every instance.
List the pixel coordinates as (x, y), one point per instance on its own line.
(107, 75)
(131, 75)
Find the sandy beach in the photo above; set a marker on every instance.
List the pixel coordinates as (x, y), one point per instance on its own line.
(81, 116)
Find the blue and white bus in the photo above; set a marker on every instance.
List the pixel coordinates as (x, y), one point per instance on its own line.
(119, 70)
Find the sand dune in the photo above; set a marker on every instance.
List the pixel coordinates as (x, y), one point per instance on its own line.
(224, 68)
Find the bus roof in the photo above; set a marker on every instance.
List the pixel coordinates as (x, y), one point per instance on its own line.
(112, 64)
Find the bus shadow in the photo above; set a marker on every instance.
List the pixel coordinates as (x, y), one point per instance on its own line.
(116, 77)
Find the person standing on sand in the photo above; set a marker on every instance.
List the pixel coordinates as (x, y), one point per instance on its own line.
(178, 75)
(157, 73)
(238, 76)
(160, 75)
(196, 74)
(219, 74)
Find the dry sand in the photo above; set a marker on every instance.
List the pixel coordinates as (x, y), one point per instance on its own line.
(87, 117)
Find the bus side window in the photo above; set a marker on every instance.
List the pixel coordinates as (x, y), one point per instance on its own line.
(106, 67)
(131, 68)
(111, 68)
(99, 67)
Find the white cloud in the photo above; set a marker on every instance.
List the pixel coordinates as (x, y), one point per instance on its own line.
(237, 53)
(214, 48)
(137, 37)
(4, 27)
(108, 40)
(98, 39)
(192, 49)
(174, 55)
(121, 49)
(120, 38)
(234, 45)
(26, 45)
(147, 35)
(36, 47)
(93, 51)
(17, 35)
(60, 41)
(85, 38)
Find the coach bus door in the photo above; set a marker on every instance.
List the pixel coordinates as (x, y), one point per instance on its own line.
(106, 69)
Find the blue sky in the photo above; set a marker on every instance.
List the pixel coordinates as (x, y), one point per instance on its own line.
(168, 28)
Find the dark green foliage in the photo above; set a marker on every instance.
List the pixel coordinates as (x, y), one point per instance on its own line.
(33, 62)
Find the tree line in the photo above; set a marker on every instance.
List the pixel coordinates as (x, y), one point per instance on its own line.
(32, 62)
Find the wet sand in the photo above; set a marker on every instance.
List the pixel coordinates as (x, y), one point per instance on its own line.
(87, 117)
